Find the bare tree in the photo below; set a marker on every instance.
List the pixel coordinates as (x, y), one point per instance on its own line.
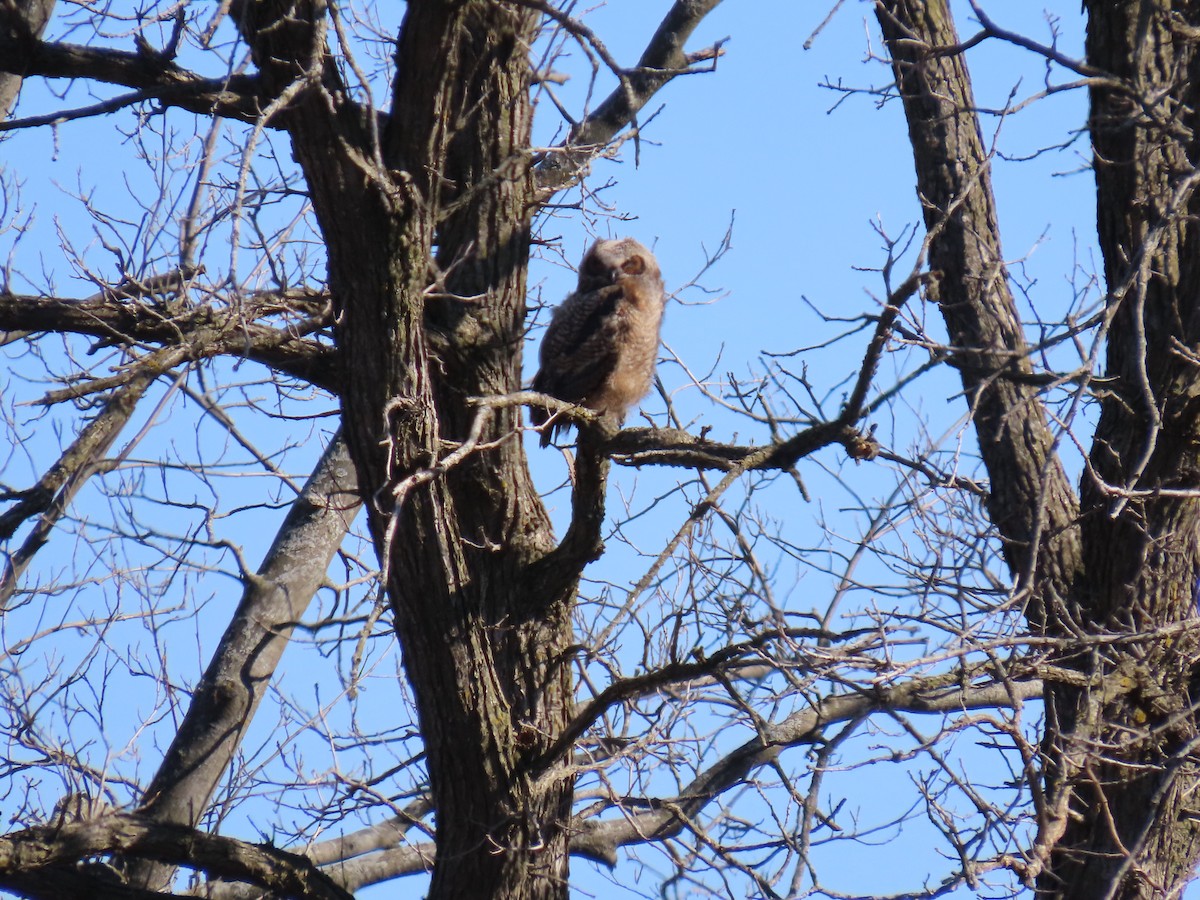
(321, 265)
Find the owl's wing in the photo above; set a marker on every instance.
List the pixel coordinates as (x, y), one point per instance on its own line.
(581, 345)
(580, 348)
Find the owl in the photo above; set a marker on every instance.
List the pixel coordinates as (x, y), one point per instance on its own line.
(601, 346)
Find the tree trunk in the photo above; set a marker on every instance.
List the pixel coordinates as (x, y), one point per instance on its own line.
(485, 650)
(1113, 819)
(1131, 834)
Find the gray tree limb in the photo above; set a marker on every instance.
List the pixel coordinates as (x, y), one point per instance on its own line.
(237, 678)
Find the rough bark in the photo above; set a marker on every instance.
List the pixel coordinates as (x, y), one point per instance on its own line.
(1131, 835)
(1113, 818)
(486, 659)
(487, 655)
(1030, 500)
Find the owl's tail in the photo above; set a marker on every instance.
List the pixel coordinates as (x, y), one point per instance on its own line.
(538, 417)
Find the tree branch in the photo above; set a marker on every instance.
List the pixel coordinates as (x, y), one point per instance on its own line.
(936, 694)
(723, 661)
(599, 840)
(204, 330)
(21, 21)
(662, 60)
(24, 854)
(1031, 501)
(155, 77)
(52, 495)
(227, 697)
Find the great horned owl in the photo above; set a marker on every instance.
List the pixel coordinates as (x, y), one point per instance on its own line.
(601, 346)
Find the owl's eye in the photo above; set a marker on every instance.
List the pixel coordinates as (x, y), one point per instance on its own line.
(634, 266)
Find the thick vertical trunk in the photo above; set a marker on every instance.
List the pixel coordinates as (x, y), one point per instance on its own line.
(24, 20)
(1114, 820)
(488, 659)
(427, 262)
(1131, 835)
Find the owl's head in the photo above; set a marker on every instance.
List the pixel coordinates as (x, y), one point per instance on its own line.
(609, 262)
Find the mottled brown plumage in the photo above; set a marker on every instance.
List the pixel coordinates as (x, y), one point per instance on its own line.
(601, 345)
